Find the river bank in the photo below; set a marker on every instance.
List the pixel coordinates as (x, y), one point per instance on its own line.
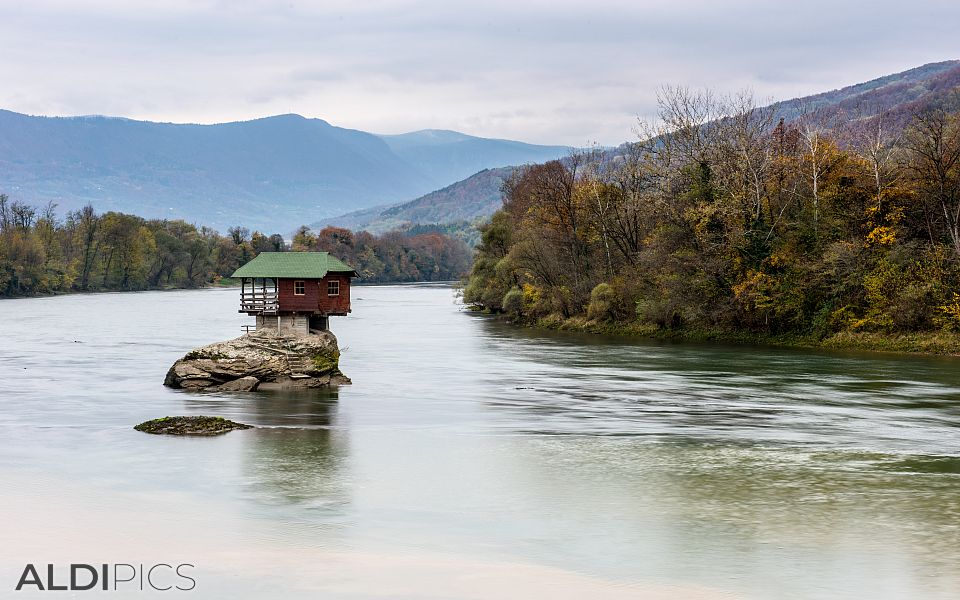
(224, 283)
(937, 343)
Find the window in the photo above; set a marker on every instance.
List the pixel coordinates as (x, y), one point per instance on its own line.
(333, 288)
(298, 288)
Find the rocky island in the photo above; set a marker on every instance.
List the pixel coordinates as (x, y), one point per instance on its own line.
(261, 360)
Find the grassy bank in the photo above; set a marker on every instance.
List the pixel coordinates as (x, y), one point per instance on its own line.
(934, 343)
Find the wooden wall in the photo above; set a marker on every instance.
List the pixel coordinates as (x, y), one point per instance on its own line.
(315, 297)
(335, 304)
(306, 303)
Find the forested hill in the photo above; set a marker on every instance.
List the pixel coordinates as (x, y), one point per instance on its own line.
(744, 225)
(273, 173)
(898, 96)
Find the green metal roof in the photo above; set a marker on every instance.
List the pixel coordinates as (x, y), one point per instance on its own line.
(289, 265)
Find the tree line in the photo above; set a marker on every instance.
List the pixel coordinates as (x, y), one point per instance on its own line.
(396, 256)
(725, 217)
(43, 253)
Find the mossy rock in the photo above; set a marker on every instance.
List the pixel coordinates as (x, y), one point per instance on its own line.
(327, 362)
(190, 426)
(260, 357)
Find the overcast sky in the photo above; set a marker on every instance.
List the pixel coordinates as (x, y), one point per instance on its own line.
(545, 72)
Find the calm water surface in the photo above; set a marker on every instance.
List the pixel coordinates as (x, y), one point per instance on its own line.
(470, 459)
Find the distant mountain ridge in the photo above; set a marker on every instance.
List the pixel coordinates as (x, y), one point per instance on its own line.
(476, 197)
(274, 173)
(898, 95)
(438, 153)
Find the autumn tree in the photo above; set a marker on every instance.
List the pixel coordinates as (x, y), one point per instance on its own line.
(933, 143)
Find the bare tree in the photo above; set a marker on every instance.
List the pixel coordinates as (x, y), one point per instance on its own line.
(748, 149)
(879, 146)
(628, 183)
(684, 135)
(239, 234)
(816, 131)
(933, 142)
(600, 202)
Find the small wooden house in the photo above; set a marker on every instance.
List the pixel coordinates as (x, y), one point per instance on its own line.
(294, 292)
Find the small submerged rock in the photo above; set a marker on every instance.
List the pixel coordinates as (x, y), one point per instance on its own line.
(190, 426)
(261, 360)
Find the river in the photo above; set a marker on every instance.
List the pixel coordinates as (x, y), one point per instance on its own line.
(472, 459)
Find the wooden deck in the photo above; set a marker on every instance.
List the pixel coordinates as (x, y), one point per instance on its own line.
(259, 302)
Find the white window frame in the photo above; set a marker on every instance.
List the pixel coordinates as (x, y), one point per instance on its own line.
(303, 288)
(336, 283)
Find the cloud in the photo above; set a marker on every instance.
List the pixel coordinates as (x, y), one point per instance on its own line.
(549, 72)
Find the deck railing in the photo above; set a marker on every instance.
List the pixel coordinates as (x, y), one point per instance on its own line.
(259, 302)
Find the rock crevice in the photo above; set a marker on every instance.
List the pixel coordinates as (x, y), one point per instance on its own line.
(260, 360)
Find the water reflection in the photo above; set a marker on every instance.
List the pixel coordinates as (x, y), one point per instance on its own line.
(297, 454)
(295, 460)
(303, 467)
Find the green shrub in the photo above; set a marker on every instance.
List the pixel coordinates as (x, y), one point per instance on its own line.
(513, 302)
(601, 302)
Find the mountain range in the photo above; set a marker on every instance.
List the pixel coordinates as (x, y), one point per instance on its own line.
(272, 174)
(280, 172)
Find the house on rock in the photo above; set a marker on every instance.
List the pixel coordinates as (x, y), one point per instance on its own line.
(295, 292)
